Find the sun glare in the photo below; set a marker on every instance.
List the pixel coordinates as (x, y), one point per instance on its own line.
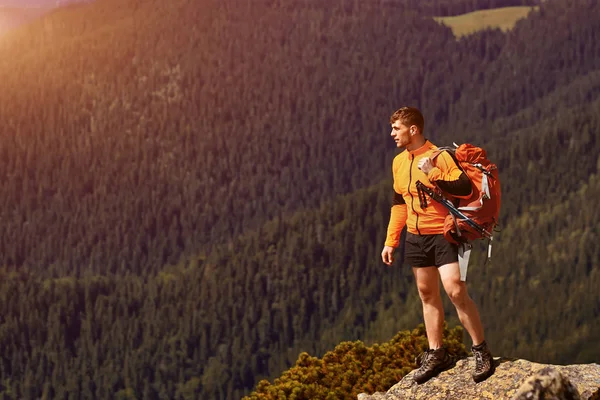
(12, 17)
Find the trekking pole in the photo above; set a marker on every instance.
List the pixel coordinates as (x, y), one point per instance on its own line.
(453, 210)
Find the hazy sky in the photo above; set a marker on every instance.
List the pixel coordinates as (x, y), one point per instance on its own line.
(33, 3)
(27, 3)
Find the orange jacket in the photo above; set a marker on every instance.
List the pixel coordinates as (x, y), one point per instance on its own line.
(407, 208)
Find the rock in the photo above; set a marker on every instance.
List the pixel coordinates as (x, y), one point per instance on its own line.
(374, 396)
(547, 384)
(505, 384)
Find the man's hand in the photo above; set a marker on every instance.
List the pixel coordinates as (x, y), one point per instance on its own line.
(425, 165)
(387, 255)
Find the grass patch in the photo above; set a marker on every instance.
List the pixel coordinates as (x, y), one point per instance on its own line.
(503, 18)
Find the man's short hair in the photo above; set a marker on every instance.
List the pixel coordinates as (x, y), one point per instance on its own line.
(409, 116)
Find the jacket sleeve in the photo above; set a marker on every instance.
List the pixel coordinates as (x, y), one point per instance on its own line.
(449, 177)
(398, 217)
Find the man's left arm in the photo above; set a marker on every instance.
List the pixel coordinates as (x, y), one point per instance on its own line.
(446, 174)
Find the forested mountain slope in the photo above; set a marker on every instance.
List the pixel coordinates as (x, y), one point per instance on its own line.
(304, 283)
(186, 211)
(215, 326)
(156, 147)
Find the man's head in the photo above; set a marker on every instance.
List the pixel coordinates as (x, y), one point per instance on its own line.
(407, 127)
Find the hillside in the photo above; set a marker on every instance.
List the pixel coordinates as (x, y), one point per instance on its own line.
(145, 102)
(199, 206)
(148, 140)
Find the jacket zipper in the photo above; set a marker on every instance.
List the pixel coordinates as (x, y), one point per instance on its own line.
(412, 198)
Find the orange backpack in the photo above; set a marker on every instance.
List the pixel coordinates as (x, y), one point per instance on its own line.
(483, 205)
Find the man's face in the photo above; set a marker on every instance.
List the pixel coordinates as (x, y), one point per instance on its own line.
(401, 134)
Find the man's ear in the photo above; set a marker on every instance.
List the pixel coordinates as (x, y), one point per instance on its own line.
(413, 130)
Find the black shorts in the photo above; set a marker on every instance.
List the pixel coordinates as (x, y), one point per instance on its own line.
(429, 250)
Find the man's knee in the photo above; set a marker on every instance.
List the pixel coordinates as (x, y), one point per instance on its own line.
(458, 294)
(428, 294)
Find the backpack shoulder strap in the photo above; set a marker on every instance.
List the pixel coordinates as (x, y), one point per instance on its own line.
(449, 149)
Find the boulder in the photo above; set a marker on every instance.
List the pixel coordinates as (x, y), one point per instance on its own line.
(513, 379)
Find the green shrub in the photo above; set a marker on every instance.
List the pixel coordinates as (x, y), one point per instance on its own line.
(352, 368)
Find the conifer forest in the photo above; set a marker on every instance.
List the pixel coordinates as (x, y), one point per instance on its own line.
(196, 193)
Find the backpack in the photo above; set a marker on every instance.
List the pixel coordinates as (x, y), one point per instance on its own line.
(483, 205)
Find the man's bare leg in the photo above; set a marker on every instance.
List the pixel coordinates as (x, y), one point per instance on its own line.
(436, 359)
(427, 279)
(465, 306)
(469, 317)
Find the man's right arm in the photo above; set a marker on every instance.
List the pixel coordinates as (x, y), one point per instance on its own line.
(398, 217)
(397, 222)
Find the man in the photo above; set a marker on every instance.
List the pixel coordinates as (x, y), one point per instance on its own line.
(430, 255)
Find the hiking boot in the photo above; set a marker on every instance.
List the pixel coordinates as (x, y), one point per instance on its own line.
(431, 363)
(484, 362)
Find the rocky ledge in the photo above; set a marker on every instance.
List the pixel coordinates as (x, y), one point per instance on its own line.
(513, 380)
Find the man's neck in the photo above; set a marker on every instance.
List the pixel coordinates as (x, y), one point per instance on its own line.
(416, 143)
